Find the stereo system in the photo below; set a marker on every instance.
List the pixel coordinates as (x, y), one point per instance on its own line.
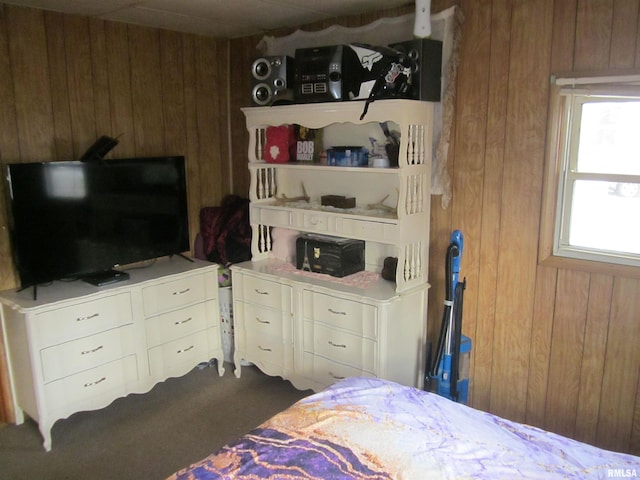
(272, 80)
(411, 69)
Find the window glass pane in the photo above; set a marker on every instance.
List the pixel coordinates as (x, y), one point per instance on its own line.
(605, 217)
(610, 138)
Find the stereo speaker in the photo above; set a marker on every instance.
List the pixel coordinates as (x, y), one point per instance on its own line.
(426, 56)
(272, 80)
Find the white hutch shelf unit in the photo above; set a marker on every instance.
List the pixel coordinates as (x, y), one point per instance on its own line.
(404, 233)
(312, 330)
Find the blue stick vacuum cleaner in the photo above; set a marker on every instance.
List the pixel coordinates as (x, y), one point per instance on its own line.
(450, 368)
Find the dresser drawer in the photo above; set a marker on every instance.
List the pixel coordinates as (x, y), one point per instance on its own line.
(175, 324)
(356, 317)
(83, 319)
(266, 293)
(327, 372)
(265, 350)
(179, 356)
(340, 346)
(86, 353)
(368, 230)
(262, 321)
(173, 294)
(270, 216)
(93, 388)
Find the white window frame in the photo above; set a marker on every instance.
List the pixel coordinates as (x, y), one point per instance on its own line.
(568, 95)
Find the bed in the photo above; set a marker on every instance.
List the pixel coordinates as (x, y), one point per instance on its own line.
(371, 429)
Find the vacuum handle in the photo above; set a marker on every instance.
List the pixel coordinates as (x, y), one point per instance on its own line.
(457, 339)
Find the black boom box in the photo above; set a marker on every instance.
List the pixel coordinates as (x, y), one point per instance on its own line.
(331, 255)
(410, 69)
(272, 80)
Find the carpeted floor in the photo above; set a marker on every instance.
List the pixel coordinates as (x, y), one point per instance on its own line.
(148, 436)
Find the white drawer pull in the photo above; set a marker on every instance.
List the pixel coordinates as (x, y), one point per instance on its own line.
(264, 349)
(87, 352)
(181, 292)
(337, 345)
(88, 317)
(91, 384)
(266, 322)
(180, 322)
(336, 312)
(337, 377)
(185, 349)
(261, 292)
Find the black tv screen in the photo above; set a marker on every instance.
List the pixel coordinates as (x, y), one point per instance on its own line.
(73, 219)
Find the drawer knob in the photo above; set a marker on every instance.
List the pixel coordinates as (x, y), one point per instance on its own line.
(91, 384)
(337, 345)
(180, 322)
(336, 312)
(88, 317)
(261, 292)
(181, 292)
(337, 377)
(185, 349)
(264, 349)
(266, 322)
(87, 352)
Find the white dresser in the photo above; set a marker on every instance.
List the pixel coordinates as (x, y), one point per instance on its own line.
(314, 330)
(79, 347)
(265, 307)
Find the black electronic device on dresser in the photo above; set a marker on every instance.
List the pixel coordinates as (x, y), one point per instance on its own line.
(81, 219)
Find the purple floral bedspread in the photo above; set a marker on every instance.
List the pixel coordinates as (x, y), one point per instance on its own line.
(364, 428)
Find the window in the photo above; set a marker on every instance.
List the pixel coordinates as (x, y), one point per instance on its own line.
(595, 158)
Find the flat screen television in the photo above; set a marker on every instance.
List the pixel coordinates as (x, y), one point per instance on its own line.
(83, 219)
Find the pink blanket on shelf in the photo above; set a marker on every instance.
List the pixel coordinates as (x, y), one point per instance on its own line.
(362, 279)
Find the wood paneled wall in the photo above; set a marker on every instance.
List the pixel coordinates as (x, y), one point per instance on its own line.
(66, 80)
(553, 347)
(557, 348)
